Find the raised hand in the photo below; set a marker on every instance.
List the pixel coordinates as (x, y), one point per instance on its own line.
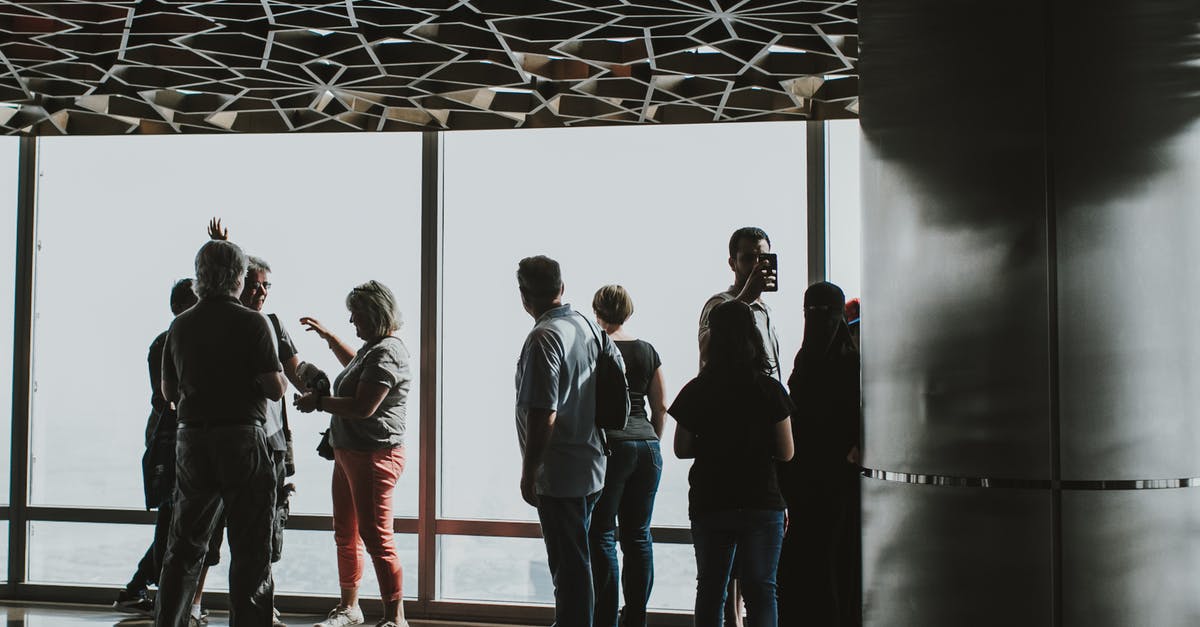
(216, 232)
(314, 325)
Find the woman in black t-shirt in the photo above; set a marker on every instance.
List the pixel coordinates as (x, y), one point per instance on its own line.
(734, 419)
(631, 480)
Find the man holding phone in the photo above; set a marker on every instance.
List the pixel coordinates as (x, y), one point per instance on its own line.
(755, 271)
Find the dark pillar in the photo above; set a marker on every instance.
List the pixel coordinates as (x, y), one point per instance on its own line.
(1031, 195)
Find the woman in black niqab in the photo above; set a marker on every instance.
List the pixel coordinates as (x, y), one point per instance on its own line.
(819, 562)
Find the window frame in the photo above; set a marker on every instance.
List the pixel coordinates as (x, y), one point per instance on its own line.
(427, 526)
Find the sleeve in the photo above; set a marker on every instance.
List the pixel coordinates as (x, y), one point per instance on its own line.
(778, 404)
(540, 373)
(702, 334)
(166, 364)
(386, 363)
(686, 406)
(266, 355)
(154, 361)
(655, 360)
(287, 348)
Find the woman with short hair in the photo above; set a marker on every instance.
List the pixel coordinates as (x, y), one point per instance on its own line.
(734, 419)
(632, 476)
(368, 406)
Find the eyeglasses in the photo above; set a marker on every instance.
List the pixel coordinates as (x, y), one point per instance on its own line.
(264, 285)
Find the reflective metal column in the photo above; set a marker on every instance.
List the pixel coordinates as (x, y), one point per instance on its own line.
(1031, 176)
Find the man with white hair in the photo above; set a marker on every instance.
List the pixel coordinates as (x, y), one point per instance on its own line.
(220, 368)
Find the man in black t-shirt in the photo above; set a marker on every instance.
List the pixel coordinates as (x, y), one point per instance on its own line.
(221, 367)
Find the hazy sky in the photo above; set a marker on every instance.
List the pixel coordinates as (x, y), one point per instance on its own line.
(120, 219)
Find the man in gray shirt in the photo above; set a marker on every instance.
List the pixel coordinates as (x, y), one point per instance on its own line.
(563, 454)
(220, 368)
(751, 277)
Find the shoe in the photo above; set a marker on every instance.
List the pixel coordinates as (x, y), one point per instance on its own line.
(392, 623)
(342, 617)
(134, 602)
(276, 621)
(198, 622)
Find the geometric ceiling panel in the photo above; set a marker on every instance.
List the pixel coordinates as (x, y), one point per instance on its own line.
(163, 66)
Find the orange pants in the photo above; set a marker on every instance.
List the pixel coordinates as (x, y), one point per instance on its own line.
(363, 482)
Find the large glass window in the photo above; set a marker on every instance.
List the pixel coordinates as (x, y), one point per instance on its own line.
(651, 209)
(120, 219)
(9, 147)
(845, 208)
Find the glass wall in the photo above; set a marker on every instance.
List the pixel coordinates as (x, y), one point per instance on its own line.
(9, 147)
(845, 209)
(120, 219)
(651, 209)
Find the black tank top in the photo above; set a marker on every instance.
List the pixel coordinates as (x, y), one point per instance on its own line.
(641, 360)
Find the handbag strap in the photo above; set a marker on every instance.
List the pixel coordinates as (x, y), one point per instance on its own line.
(588, 324)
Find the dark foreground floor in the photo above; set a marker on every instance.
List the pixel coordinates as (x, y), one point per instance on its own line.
(45, 615)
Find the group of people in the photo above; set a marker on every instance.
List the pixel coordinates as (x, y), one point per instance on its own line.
(219, 448)
(773, 485)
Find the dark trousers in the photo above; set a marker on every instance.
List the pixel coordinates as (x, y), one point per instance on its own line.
(754, 536)
(151, 563)
(228, 465)
(565, 522)
(630, 484)
(819, 567)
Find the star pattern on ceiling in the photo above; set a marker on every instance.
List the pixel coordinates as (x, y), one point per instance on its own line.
(159, 66)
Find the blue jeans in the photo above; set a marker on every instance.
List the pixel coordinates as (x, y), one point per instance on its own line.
(565, 522)
(630, 484)
(755, 536)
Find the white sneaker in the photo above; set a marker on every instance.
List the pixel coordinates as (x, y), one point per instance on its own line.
(342, 617)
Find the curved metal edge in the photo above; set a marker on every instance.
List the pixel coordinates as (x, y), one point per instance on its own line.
(1029, 484)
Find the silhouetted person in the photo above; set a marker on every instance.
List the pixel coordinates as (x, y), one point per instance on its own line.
(158, 467)
(820, 482)
(220, 367)
(734, 420)
(632, 476)
(255, 290)
(563, 463)
(369, 408)
(853, 317)
(752, 275)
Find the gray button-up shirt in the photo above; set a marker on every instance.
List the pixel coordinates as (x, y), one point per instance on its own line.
(555, 372)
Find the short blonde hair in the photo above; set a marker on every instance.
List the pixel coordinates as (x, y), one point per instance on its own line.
(375, 305)
(612, 304)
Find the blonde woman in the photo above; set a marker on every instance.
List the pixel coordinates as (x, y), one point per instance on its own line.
(368, 405)
(632, 476)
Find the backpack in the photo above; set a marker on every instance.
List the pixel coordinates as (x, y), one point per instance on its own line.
(612, 390)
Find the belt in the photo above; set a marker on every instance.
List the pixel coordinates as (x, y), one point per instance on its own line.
(208, 426)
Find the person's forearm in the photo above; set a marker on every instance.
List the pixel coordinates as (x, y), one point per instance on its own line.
(273, 385)
(658, 420)
(289, 371)
(346, 407)
(537, 439)
(340, 349)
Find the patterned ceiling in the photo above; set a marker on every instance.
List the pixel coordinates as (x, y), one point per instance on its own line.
(156, 66)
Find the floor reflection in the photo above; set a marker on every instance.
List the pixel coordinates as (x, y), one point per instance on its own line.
(47, 615)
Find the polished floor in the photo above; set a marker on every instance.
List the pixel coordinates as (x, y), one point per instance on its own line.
(47, 615)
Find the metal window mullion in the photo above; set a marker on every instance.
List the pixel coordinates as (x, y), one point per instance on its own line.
(817, 177)
(430, 351)
(22, 370)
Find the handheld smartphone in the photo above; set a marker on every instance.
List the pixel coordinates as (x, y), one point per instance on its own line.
(772, 262)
